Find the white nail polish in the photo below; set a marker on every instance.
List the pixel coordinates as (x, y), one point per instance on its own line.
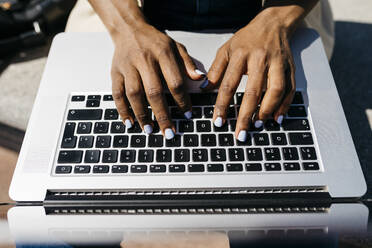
(242, 136)
(128, 124)
(258, 124)
(147, 128)
(168, 133)
(279, 120)
(188, 115)
(200, 72)
(218, 122)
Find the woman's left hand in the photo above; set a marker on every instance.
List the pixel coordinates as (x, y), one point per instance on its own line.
(261, 50)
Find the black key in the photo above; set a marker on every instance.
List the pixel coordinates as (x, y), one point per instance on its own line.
(94, 97)
(232, 125)
(103, 141)
(208, 140)
(138, 168)
(155, 141)
(170, 100)
(84, 114)
(157, 168)
(272, 166)
(208, 112)
(127, 156)
(234, 167)
(136, 128)
(278, 139)
(226, 139)
(203, 98)
(110, 156)
(296, 124)
(163, 155)
(175, 142)
(196, 112)
(77, 98)
(111, 114)
(186, 126)
(86, 141)
(196, 167)
(239, 97)
(84, 127)
(145, 156)
(82, 169)
(119, 169)
(254, 154)
(177, 168)
(120, 141)
(272, 125)
(155, 128)
(101, 127)
(291, 166)
(101, 169)
(138, 141)
(236, 154)
(63, 169)
(247, 142)
(108, 98)
(176, 114)
(69, 142)
(203, 126)
(231, 113)
(301, 139)
(190, 140)
(253, 167)
(71, 156)
(224, 128)
(199, 155)
(117, 127)
(69, 130)
(261, 139)
(181, 155)
(308, 153)
(297, 111)
(290, 153)
(92, 156)
(310, 166)
(92, 103)
(214, 167)
(297, 99)
(218, 154)
(272, 154)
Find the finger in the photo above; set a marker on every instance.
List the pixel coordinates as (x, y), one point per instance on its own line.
(290, 92)
(252, 95)
(192, 71)
(217, 70)
(274, 93)
(135, 95)
(154, 93)
(121, 101)
(235, 70)
(173, 77)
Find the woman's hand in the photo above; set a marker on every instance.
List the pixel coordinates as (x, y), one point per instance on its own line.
(142, 58)
(261, 50)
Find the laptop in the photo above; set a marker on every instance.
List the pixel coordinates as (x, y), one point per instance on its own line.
(76, 148)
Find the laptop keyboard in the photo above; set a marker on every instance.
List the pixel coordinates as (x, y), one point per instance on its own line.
(94, 141)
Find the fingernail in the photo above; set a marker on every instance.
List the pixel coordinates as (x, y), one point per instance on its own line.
(242, 136)
(218, 122)
(168, 133)
(200, 72)
(204, 84)
(258, 124)
(279, 120)
(147, 128)
(128, 123)
(188, 115)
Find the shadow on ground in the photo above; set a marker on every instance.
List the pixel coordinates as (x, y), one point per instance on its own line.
(352, 69)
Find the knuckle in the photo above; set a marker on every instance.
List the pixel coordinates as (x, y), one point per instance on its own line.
(117, 94)
(162, 119)
(154, 93)
(227, 89)
(220, 109)
(142, 117)
(134, 92)
(240, 52)
(252, 92)
(277, 88)
(176, 86)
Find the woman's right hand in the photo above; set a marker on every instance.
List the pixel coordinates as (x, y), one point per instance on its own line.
(142, 58)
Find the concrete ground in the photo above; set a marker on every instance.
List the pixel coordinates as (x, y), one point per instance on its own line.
(351, 66)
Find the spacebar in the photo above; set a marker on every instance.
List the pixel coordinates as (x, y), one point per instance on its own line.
(84, 114)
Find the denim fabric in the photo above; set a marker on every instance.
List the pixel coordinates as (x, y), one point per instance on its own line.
(200, 14)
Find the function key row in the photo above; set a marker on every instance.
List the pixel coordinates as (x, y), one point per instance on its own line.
(179, 168)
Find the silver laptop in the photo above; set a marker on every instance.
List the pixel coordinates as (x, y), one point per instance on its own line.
(76, 147)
